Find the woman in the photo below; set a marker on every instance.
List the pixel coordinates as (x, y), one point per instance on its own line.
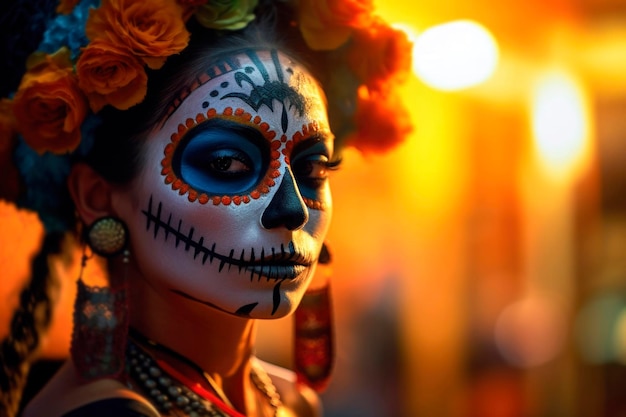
(205, 188)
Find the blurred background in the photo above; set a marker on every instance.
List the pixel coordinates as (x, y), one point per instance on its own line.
(480, 268)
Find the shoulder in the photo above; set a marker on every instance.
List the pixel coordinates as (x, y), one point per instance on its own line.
(65, 396)
(299, 400)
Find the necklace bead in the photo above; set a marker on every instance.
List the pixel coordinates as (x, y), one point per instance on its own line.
(166, 393)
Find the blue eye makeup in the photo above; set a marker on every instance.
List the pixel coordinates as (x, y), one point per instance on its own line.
(220, 157)
(311, 164)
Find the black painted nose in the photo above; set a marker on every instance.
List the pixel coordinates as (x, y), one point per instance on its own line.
(287, 209)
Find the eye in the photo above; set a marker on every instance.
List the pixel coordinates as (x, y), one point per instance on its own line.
(230, 163)
(311, 164)
(222, 158)
(312, 171)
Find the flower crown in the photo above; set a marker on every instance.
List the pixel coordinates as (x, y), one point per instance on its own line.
(94, 53)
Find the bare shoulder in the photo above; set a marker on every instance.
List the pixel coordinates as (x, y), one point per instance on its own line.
(64, 393)
(300, 401)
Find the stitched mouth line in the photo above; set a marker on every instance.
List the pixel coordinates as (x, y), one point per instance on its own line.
(281, 263)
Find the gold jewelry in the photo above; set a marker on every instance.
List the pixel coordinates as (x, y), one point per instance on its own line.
(107, 236)
(167, 391)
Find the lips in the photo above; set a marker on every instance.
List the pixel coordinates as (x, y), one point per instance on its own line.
(276, 270)
(285, 263)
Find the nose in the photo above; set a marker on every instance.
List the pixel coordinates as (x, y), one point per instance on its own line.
(287, 209)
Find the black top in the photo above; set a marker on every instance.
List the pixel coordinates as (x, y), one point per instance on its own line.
(112, 407)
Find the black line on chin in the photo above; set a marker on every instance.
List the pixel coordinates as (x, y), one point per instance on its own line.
(245, 311)
(276, 297)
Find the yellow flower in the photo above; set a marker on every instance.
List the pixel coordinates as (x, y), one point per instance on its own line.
(153, 30)
(111, 75)
(226, 14)
(48, 106)
(328, 24)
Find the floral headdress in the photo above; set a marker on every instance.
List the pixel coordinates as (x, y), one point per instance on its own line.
(94, 53)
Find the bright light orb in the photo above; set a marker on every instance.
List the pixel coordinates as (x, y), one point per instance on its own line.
(455, 55)
(559, 122)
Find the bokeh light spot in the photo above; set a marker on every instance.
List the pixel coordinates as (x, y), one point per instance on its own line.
(455, 55)
(531, 332)
(559, 122)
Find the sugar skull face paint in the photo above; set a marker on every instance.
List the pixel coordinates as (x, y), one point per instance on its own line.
(232, 204)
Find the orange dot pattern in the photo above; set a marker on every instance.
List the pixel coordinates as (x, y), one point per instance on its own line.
(238, 115)
(212, 72)
(304, 133)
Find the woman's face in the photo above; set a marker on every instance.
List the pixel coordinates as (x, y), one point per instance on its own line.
(232, 202)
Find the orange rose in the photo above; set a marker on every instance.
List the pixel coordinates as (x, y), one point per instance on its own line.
(111, 75)
(327, 24)
(152, 30)
(379, 55)
(383, 121)
(9, 186)
(49, 107)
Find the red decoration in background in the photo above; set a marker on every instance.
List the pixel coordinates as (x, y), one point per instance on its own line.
(314, 339)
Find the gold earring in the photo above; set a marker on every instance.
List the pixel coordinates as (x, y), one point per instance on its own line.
(107, 236)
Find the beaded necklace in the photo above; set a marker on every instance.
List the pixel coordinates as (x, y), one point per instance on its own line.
(167, 388)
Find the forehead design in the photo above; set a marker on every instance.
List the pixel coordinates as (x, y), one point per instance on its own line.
(245, 80)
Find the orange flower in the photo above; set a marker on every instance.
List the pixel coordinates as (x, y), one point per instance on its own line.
(152, 30)
(49, 107)
(383, 121)
(327, 24)
(66, 6)
(111, 75)
(380, 55)
(10, 184)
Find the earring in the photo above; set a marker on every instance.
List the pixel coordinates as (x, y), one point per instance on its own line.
(107, 236)
(313, 326)
(101, 313)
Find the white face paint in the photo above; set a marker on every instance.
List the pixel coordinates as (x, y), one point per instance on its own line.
(232, 204)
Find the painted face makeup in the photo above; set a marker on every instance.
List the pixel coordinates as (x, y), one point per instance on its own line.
(233, 203)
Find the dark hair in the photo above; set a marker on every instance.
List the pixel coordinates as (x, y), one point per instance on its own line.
(117, 156)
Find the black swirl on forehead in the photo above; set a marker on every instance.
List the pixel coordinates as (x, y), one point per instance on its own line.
(265, 93)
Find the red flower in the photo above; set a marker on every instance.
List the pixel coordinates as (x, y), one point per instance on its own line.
(327, 24)
(380, 55)
(382, 121)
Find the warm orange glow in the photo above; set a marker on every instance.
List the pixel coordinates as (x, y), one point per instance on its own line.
(21, 233)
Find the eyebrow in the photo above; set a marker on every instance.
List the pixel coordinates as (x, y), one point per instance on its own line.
(312, 140)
